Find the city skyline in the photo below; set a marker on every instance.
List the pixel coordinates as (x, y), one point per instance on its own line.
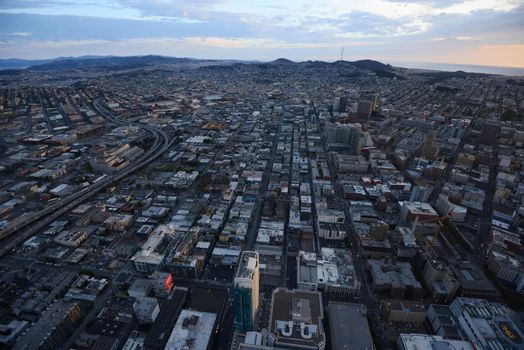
(474, 32)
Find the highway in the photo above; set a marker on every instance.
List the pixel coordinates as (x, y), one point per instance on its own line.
(27, 225)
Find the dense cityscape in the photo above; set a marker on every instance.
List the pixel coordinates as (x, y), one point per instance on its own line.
(156, 203)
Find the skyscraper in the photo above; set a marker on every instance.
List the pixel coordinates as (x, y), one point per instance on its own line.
(350, 136)
(339, 104)
(429, 150)
(365, 107)
(246, 291)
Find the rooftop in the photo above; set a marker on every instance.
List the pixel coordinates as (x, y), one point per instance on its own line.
(297, 318)
(349, 327)
(192, 331)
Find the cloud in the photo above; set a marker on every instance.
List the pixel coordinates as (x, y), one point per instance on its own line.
(464, 38)
(25, 4)
(300, 29)
(19, 34)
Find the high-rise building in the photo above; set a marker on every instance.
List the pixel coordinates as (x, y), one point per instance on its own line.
(429, 150)
(348, 136)
(339, 104)
(246, 291)
(365, 107)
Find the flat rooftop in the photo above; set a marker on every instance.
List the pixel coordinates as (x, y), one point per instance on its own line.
(297, 318)
(247, 265)
(192, 331)
(348, 327)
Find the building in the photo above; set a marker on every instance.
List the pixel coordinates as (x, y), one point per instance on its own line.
(348, 137)
(332, 272)
(146, 309)
(443, 322)
(394, 278)
(210, 300)
(170, 308)
(339, 104)
(438, 278)
(348, 327)
(454, 211)
(365, 107)
(151, 256)
(362, 211)
(141, 287)
(53, 327)
(404, 243)
(246, 284)
(193, 331)
(420, 194)
(403, 311)
(10, 331)
(350, 163)
(296, 319)
(429, 150)
(473, 282)
(409, 211)
(86, 288)
(488, 325)
(162, 283)
(489, 132)
(436, 342)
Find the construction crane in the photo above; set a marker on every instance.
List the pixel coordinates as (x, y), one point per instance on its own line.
(342, 54)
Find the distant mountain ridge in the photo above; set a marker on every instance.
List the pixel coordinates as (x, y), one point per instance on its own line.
(20, 63)
(115, 63)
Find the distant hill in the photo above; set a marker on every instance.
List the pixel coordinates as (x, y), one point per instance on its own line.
(281, 61)
(371, 65)
(115, 63)
(18, 63)
(438, 76)
(110, 63)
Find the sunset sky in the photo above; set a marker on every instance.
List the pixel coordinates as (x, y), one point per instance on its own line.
(481, 32)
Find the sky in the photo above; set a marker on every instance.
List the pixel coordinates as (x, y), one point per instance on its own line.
(476, 32)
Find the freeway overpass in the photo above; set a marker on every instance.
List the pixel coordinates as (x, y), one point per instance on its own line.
(25, 226)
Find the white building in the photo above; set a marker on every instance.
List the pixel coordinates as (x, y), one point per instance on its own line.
(331, 272)
(146, 309)
(424, 341)
(193, 331)
(446, 208)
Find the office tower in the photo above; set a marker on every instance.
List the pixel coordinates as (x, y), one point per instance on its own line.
(356, 139)
(429, 150)
(246, 291)
(366, 106)
(337, 133)
(349, 136)
(339, 104)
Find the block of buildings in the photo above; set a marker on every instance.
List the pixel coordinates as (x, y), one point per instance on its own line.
(332, 272)
(297, 319)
